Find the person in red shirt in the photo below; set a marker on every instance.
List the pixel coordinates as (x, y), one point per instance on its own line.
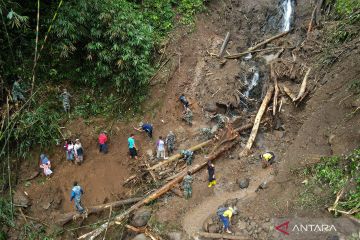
(103, 142)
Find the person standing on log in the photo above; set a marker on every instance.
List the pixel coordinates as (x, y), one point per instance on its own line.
(76, 194)
(170, 142)
(132, 147)
(187, 185)
(211, 172)
(145, 127)
(187, 156)
(102, 139)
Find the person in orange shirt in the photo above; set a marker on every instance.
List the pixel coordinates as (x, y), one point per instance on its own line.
(103, 142)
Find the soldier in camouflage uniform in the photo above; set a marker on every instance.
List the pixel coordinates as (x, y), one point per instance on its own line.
(220, 120)
(65, 96)
(187, 156)
(188, 116)
(206, 133)
(187, 181)
(170, 142)
(17, 92)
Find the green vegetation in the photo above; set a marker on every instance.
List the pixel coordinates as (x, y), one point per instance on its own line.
(331, 176)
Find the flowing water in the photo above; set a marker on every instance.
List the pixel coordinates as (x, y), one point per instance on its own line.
(253, 82)
(288, 9)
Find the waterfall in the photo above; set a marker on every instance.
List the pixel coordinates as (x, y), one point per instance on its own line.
(253, 83)
(288, 13)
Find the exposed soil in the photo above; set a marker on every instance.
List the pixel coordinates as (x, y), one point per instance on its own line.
(321, 125)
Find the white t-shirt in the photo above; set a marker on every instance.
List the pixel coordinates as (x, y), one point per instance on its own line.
(161, 145)
(70, 147)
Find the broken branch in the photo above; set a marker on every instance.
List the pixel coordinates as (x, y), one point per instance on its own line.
(223, 47)
(303, 86)
(67, 217)
(258, 117)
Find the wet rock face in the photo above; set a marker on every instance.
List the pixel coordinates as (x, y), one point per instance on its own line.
(141, 217)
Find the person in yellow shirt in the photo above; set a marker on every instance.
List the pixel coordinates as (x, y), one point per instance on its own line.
(268, 159)
(225, 215)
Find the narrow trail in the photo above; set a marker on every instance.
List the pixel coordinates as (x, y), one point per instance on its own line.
(194, 219)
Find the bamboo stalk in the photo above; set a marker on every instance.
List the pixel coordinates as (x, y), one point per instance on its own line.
(36, 47)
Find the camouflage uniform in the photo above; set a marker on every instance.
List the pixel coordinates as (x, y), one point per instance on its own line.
(17, 92)
(188, 116)
(220, 120)
(170, 142)
(187, 186)
(188, 156)
(66, 100)
(206, 133)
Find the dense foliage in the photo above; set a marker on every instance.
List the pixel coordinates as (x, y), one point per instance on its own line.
(336, 173)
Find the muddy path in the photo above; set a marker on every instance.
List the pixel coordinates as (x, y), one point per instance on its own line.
(194, 219)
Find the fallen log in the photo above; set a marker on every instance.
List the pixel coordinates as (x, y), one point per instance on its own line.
(238, 55)
(268, 40)
(312, 20)
(158, 193)
(276, 93)
(221, 236)
(67, 217)
(223, 46)
(178, 156)
(258, 117)
(303, 86)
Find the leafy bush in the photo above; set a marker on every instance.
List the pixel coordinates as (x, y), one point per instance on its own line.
(6, 213)
(346, 7)
(336, 173)
(110, 43)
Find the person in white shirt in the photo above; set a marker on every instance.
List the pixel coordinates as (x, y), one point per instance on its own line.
(79, 152)
(160, 148)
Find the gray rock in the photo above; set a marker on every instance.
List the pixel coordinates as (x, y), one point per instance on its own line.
(244, 183)
(211, 107)
(215, 228)
(150, 154)
(141, 217)
(175, 236)
(21, 199)
(141, 237)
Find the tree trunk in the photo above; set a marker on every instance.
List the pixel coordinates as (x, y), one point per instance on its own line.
(258, 117)
(221, 236)
(158, 193)
(223, 47)
(65, 218)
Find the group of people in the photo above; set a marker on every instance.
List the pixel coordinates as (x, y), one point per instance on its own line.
(74, 151)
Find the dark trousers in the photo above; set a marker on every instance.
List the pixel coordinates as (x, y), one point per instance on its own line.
(103, 148)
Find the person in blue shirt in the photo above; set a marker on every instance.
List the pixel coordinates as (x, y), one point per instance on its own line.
(132, 146)
(76, 194)
(145, 127)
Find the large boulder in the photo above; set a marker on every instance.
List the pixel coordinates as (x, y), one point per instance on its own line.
(140, 237)
(244, 183)
(141, 217)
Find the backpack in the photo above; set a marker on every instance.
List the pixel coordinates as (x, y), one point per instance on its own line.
(220, 211)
